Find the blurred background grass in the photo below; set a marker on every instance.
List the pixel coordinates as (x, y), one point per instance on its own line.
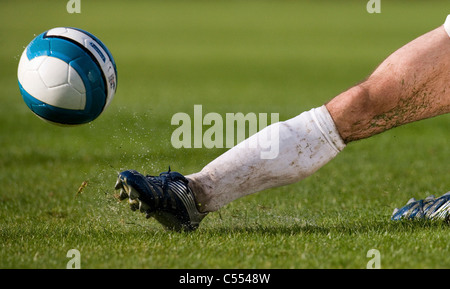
(229, 56)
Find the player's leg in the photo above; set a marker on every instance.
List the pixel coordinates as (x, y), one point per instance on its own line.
(300, 145)
(411, 84)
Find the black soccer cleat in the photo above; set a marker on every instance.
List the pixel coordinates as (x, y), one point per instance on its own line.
(166, 197)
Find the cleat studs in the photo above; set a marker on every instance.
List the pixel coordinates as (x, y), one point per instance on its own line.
(134, 205)
(132, 193)
(123, 195)
(119, 184)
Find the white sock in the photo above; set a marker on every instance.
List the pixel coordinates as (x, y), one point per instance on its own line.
(280, 154)
(447, 25)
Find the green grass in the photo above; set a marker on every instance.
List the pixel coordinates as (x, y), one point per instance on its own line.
(229, 56)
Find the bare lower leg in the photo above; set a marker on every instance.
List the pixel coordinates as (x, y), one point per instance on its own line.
(411, 84)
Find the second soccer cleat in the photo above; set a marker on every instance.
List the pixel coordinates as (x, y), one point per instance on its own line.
(430, 208)
(167, 197)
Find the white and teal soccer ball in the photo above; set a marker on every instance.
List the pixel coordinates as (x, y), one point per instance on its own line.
(67, 76)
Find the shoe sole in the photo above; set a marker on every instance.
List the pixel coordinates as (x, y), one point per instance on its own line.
(129, 192)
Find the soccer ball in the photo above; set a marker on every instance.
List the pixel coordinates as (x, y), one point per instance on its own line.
(67, 76)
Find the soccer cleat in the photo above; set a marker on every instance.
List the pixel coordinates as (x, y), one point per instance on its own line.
(430, 208)
(166, 197)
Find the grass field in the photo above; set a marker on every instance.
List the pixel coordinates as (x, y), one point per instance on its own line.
(229, 56)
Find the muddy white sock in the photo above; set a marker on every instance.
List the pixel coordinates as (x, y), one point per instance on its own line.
(280, 154)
